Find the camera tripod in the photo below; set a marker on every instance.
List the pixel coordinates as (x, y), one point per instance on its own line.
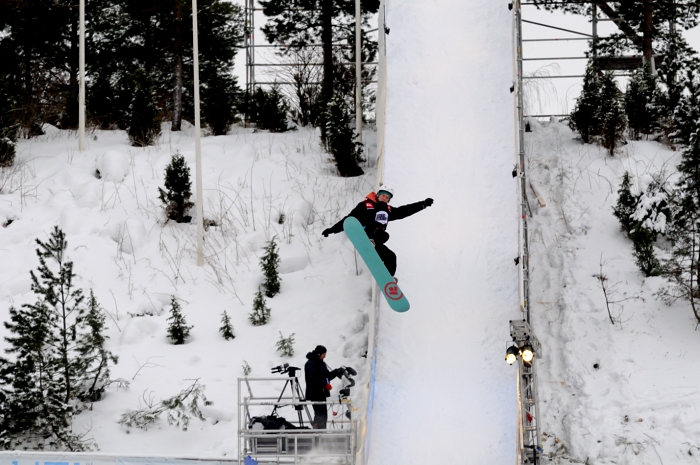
(294, 383)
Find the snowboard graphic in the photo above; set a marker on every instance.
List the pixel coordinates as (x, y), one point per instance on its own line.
(397, 301)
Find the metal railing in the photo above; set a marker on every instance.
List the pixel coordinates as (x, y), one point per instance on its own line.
(338, 442)
(528, 446)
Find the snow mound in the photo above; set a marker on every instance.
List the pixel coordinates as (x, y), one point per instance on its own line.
(113, 165)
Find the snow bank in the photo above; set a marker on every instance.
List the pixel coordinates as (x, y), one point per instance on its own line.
(113, 165)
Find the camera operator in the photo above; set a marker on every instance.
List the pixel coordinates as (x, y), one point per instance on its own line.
(318, 386)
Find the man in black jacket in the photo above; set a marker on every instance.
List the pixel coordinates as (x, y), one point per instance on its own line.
(374, 213)
(318, 385)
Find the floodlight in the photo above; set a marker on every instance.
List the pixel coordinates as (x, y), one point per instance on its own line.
(511, 355)
(527, 353)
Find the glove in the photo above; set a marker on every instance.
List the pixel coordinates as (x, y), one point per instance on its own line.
(326, 232)
(380, 237)
(427, 202)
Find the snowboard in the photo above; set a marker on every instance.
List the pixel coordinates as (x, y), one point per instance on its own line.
(393, 294)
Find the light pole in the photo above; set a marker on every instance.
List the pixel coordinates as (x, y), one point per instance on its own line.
(197, 144)
(81, 78)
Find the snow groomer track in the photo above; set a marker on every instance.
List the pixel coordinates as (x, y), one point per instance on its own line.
(442, 392)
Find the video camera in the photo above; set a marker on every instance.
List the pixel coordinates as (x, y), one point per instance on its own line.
(283, 369)
(347, 372)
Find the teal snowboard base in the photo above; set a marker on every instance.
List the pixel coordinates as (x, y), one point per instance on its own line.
(356, 233)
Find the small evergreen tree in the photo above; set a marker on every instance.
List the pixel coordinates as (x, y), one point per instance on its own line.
(94, 357)
(338, 138)
(144, 121)
(219, 98)
(640, 103)
(643, 251)
(226, 329)
(626, 204)
(57, 291)
(285, 345)
(261, 312)
(687, 113)
(177, 193)
(610, 114)
(584, 118)
(8, 124)
(35, 413)
(683, 266)
(269, 263)
(47, 373)
(267, 109)
(178, 331)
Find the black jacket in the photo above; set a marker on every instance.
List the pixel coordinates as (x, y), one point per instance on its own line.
(374, 215)
(317, 376)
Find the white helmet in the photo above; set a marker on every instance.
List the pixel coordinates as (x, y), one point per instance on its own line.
(386, 189)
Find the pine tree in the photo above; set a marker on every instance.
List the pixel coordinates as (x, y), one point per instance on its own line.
(176, 197)
(339, 139)
(643, 251)
(57, 291)
(35, 414)
(261, 312)
(285, 345)
(269, 263)
(47, 372)
(584, 118)
(688, 112)
(226, 329)
(626, 204)
(144, 120)
(610, 114)
(8, 124)
(267, 109)
(220, 95)
(640, 104)
(683, 267)
(94, 357)
(178, 331)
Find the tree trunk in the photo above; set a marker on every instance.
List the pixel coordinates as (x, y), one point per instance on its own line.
(177, 46)
(647, 30)
(327, 40)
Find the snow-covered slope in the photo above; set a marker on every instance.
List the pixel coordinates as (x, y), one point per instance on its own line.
(256, 186)
(623, 393)
(443, 393)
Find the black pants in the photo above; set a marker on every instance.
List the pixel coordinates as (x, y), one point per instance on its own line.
(387, 256)
(320, 416)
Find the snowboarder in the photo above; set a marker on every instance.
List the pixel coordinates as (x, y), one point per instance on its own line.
(374, 213)
(318, 386)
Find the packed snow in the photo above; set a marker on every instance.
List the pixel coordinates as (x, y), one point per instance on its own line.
(443, 393)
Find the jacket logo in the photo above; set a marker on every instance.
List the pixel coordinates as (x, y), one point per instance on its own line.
(381, 217)
(369, 205)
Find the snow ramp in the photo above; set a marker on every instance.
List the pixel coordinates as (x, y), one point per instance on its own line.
(442, 392)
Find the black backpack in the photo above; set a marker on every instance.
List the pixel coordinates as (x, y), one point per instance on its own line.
(273, 422)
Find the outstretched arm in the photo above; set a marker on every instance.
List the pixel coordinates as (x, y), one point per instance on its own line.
(403, 211)
(338, 227)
